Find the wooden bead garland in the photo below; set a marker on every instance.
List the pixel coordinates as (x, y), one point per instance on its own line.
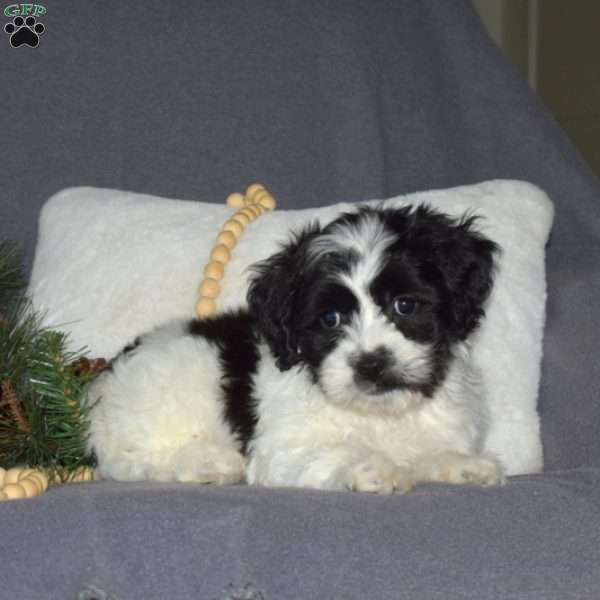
(83, 474)
(23, 482)
(254, 203)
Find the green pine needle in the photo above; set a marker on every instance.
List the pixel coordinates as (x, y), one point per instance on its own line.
(12, 280)
(36, 362)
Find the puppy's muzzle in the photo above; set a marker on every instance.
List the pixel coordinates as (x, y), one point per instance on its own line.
(371, 369)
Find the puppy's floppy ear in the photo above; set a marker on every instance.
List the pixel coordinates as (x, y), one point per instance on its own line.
(454, 257)
(273, 296)
(468, 268)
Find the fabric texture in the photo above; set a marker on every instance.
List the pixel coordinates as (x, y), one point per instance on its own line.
(323, 101)
(112, 265)
(531, 539)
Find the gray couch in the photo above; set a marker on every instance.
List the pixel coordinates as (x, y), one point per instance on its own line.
(323, 101)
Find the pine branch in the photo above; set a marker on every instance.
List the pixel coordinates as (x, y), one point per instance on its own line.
(12, 280)
(58, 421)
(42, 420)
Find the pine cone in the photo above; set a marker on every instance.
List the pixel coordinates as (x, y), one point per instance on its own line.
(10, 404)
(87, 366)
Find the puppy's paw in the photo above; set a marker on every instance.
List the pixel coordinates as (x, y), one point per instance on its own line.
(378, 475)
(483, 471)
(473, 470)
(206, 463)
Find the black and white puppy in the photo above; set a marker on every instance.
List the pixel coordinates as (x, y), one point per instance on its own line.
(351, 368)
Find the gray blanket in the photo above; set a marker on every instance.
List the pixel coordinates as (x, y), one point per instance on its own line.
(323, 101)
(532, 539)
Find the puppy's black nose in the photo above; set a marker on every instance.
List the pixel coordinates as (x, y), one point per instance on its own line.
(370, 366)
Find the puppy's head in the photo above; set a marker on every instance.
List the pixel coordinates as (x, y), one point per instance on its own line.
(373, 303)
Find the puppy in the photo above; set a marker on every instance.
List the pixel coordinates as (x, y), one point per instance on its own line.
(350, 369)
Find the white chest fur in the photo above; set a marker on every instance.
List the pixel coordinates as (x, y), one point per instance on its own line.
(301, 434)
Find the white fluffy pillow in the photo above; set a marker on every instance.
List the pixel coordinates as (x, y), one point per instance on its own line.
(110, 265)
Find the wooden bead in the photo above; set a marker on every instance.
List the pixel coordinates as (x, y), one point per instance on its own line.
(241, 218)
(221, 254)
(3, 496)
(76, 476)
(236, 200)
(2, 476)
(88, 474)
(42, 479)
(249, 213)
(31, 486)
(227, 238)
(33, 476)
(214, 270)
(209, 288)
(82, 474)
(252, 190)
(14, 491)
(268, 202)
(259, 196)
(256, 210)
(12, 476)
(206, 307)
(25, 473)
(233, 226)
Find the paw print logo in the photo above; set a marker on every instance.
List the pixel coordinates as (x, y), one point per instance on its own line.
(24, 31)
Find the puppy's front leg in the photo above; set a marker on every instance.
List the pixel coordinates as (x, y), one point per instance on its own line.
(377, 474)
(333, 468)
(460, 469)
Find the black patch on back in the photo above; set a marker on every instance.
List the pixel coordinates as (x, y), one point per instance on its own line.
(131, 347)
(128, 349)
(234, 334)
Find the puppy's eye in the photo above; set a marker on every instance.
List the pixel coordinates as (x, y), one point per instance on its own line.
(405, 306)
(331, 319)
